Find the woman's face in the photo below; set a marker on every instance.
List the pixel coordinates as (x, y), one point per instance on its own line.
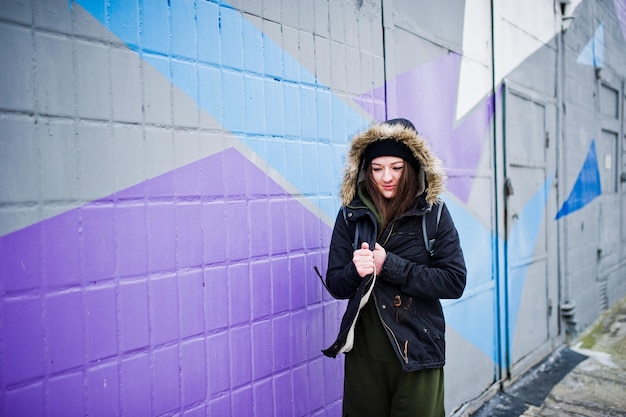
(386, 172)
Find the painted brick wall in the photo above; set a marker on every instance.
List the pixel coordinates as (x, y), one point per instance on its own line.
(151, 263)
(168, 181)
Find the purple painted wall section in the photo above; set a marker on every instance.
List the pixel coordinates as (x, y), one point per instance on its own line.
(169, 295)
(427, 96)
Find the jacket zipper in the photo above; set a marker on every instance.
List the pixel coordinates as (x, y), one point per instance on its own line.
(404, 355)
(388, 235)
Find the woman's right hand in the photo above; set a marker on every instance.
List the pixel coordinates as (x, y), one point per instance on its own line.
(363, 260)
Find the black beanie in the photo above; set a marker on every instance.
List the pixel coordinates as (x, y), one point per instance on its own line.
(391, 147)
(387, 147)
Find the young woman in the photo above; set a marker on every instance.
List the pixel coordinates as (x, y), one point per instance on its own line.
(392, 333)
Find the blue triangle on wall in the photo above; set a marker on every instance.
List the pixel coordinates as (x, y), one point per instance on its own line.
(593, 53)
(587, 186)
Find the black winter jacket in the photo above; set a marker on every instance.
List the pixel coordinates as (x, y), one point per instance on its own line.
(407, 292)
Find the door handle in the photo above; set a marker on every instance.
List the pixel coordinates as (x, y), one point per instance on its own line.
(508, 187)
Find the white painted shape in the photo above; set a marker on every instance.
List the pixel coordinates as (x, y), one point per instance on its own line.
(475, 71)
(520, 29)
(474, 84)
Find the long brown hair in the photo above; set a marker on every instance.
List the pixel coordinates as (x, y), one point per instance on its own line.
(401, 202)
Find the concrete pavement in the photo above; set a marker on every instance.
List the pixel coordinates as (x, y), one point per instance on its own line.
(597, 386)
(587, 379)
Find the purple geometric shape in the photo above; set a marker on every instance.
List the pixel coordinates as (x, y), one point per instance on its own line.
(243, 402)
(133, 310)
(190, 286)
(218, 358)
(214, 236)
(155, 268)
(220, 407)
(316, 379)
(64, 330)
(234, 177)
(239, 294)
(161, 237)
(315, 326)
(281, 326)
(97, 251)
(236, 226)
(103, 390)
(212, 174)
(298, 293)
(261, 297)
(20, 268)
(298, 336)
(60, 241)
(192, 371)
(301, 386)
(278, 226)
(188, 234)
(373, 107)
(135, 380)
(166, 380)
(216, 296)
(188, 180)
(130, 232)
(262, 342)
(426, 96)
(314, 288)
(259, 218)
(295, 227)
(163, 310)
(241, 365)
(283, 387)
(280, 284)
(198, 411)
(23, 350)
(333, 375)
(101, 322)
(160, 187)
(312, 233)
(264, 398)
(24, 401)
(63, 398)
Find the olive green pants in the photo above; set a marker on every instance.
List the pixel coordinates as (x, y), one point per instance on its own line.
(380, 388)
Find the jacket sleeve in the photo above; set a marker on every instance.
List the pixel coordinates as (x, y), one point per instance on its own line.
(445, 277)
(342, 278)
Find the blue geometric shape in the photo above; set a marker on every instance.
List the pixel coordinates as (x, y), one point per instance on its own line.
(477, 242)
(593, 53)
(184, 43)
(123, 19)
(155, 36)
(587, 186)
(222, 34)
(521, 246)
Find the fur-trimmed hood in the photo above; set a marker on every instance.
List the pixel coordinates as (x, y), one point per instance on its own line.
(431, 175)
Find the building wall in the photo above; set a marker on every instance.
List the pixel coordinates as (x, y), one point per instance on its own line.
(169, 174)
(594, 158)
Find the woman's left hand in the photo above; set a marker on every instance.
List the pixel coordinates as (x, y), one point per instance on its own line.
(379, 258)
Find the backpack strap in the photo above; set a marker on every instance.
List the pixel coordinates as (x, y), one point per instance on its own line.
(364, 231)
(430, 225)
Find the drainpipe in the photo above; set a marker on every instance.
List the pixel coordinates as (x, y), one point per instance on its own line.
(502, 341)
(568, 306)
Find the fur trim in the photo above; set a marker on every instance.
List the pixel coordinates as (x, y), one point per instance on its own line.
(431, 167)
